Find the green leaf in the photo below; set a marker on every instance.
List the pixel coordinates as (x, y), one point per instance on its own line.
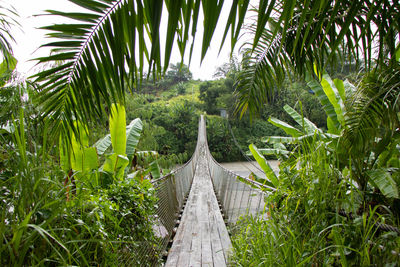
(116, 165)
(280, 139)
(307, 125)
(332, 94)
(103, 144)
(16, 240)
(173, 8)
(287, 140)
(65, 150)
(90, 160)
(319, 92)
(9, 65)
(155, 170)
(382, 179)
(273, 151)
(211, 10)
(286, 127)
(331, 126)
(269, 173)
(6, 69)
(340, 87)
(133, 132)
(76, 154)
(118, 129)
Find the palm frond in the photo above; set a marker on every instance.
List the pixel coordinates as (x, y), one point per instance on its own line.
(295, 36)
(8, 18)
(103, 53)
(376, 109)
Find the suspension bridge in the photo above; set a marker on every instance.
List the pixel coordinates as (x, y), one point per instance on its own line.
(195, 204)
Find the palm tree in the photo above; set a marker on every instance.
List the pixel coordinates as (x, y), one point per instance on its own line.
(305, 38)
(103, 54)
(294, 37)
(7, 19)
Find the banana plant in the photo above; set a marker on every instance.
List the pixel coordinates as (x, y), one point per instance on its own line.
(77, 159)
(124, 140)
(307, 131)
(80, 162)
(332, 95)
(117, 161)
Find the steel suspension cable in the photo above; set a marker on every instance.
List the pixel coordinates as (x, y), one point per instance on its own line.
(240, 149)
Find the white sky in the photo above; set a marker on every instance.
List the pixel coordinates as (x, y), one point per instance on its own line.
(30, 37)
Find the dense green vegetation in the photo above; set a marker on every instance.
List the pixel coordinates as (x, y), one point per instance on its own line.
(170, 114)
(325, 209)
(70, 209)
(75, 179)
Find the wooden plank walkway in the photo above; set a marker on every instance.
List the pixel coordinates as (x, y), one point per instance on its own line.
(202, 238)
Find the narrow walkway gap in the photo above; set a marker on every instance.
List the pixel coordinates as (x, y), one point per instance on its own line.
(201, 238)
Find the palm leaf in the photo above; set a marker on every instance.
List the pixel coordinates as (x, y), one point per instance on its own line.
(375, 109)
(101, 56)
(8, 19)
(382, 179)
(294, 36)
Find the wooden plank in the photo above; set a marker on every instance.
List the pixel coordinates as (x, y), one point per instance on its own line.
(175, 250)
(202, 238)
(216, 246)
(206, 251)
(178, 254)
(187, 219)
(195, 251)
(184, 256)
(223, 234)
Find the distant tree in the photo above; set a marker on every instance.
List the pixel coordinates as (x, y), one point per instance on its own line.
(178, 73)
(229, 69)
(210, 92)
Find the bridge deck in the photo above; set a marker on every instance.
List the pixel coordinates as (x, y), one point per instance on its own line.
(202, 238)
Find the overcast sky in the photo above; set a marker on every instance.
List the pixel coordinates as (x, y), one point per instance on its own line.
(30, 37)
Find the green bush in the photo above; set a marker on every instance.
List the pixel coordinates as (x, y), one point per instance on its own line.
(39, 225)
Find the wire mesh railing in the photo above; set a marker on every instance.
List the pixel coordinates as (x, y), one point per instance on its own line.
(237, 195)
(171, 191)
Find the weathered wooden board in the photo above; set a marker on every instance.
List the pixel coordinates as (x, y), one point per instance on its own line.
(202, 238)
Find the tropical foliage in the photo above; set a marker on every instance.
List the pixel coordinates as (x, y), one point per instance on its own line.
(294, 37)
(9, 18)
(105, 52)
(66, 201)
(84, 220)
(331, 196)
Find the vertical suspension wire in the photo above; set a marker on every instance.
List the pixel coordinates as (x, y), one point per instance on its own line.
(227, 185)
(232, 200)
(172, 189)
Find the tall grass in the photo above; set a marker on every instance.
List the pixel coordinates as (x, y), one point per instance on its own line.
(304, 226)
(38, 226)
